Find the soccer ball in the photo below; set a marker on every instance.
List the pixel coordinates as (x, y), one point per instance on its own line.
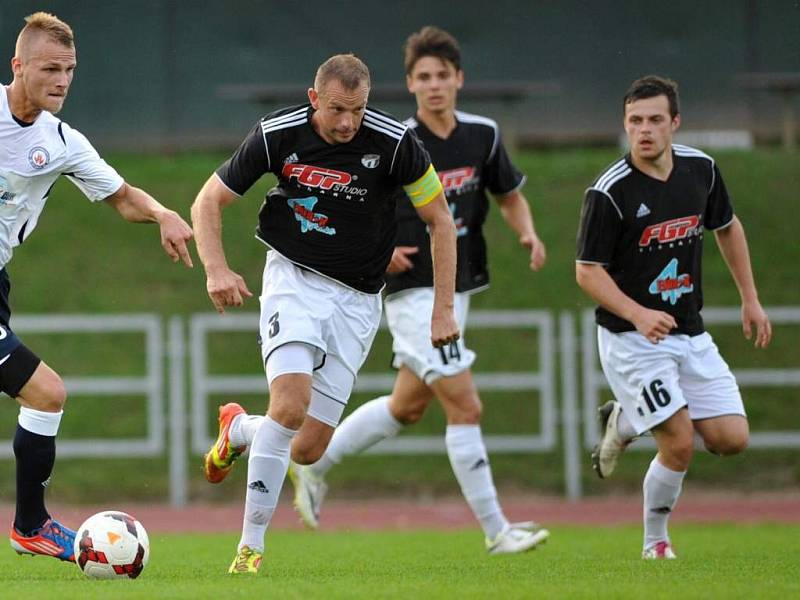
(110, 545)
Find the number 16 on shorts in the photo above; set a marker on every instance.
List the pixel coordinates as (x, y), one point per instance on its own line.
(656, 402)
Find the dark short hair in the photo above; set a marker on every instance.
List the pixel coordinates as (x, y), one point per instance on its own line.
(431, 41)
(347, 69)
(650, 87)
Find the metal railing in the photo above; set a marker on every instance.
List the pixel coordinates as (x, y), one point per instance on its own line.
(150, 385)
(571, 414)
(542, 380)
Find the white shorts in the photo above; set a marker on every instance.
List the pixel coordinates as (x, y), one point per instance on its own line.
(409, 317)
(654, 381)
(298, 305)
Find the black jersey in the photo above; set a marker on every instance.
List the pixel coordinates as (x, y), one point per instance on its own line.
(468, 162)
(333, 208)
(649, 234)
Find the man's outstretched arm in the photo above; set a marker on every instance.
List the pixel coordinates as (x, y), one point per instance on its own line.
(137, 206)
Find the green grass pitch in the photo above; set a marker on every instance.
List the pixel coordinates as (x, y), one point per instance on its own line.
(715, 561)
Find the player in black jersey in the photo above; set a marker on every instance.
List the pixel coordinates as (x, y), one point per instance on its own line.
(639, 256)
(330, 224)
(471, 160)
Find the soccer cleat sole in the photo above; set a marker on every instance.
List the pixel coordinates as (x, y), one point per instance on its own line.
(23, 551)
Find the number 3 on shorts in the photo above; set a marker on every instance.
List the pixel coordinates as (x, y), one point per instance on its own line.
(274, 325)
(658, 396)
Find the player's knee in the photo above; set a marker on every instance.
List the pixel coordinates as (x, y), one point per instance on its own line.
(307, 454)
(409, 412)
(410, 415)
(730, 445)
(729, 437)
(286, 410)
(54, 396)
(289, 415)
(678, 453)
(467, 413)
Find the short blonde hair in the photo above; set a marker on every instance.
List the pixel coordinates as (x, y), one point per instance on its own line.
(347, 69)
(42, 23)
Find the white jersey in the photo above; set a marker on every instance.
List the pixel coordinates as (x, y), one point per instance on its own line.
(31, 159)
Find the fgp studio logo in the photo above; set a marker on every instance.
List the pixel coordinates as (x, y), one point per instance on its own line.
(38, 157)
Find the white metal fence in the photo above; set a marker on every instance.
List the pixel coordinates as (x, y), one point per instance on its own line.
(150, 385)
(541, 378)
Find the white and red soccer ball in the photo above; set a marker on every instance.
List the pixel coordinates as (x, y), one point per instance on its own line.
(111, 545)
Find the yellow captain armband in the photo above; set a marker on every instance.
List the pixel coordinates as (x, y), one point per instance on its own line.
(424, 189)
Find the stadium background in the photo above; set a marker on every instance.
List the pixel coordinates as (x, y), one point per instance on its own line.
(149, 80)
(150, 72)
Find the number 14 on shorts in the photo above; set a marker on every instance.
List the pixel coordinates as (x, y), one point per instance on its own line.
(450, 352)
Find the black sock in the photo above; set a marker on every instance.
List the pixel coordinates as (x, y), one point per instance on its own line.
(36, 455)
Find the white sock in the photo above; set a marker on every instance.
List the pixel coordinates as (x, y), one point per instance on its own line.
(366, 426)
(625, 427)
(243, 429)
(662, 486)
(266, 470)
(471, 466)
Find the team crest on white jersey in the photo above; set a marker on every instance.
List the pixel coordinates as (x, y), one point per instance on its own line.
(371, 160)
(6, 195)
(38, 157)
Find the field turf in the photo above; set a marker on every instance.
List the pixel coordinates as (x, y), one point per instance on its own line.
(715, 561)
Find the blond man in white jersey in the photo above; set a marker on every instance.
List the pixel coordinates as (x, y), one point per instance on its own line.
(35, 149)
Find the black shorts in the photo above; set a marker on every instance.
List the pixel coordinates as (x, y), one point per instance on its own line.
(17, 370)
(17, 362)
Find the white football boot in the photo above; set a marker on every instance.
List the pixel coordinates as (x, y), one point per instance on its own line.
(517, 537)
(606, 453)
(309, 492)
(659, 551)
